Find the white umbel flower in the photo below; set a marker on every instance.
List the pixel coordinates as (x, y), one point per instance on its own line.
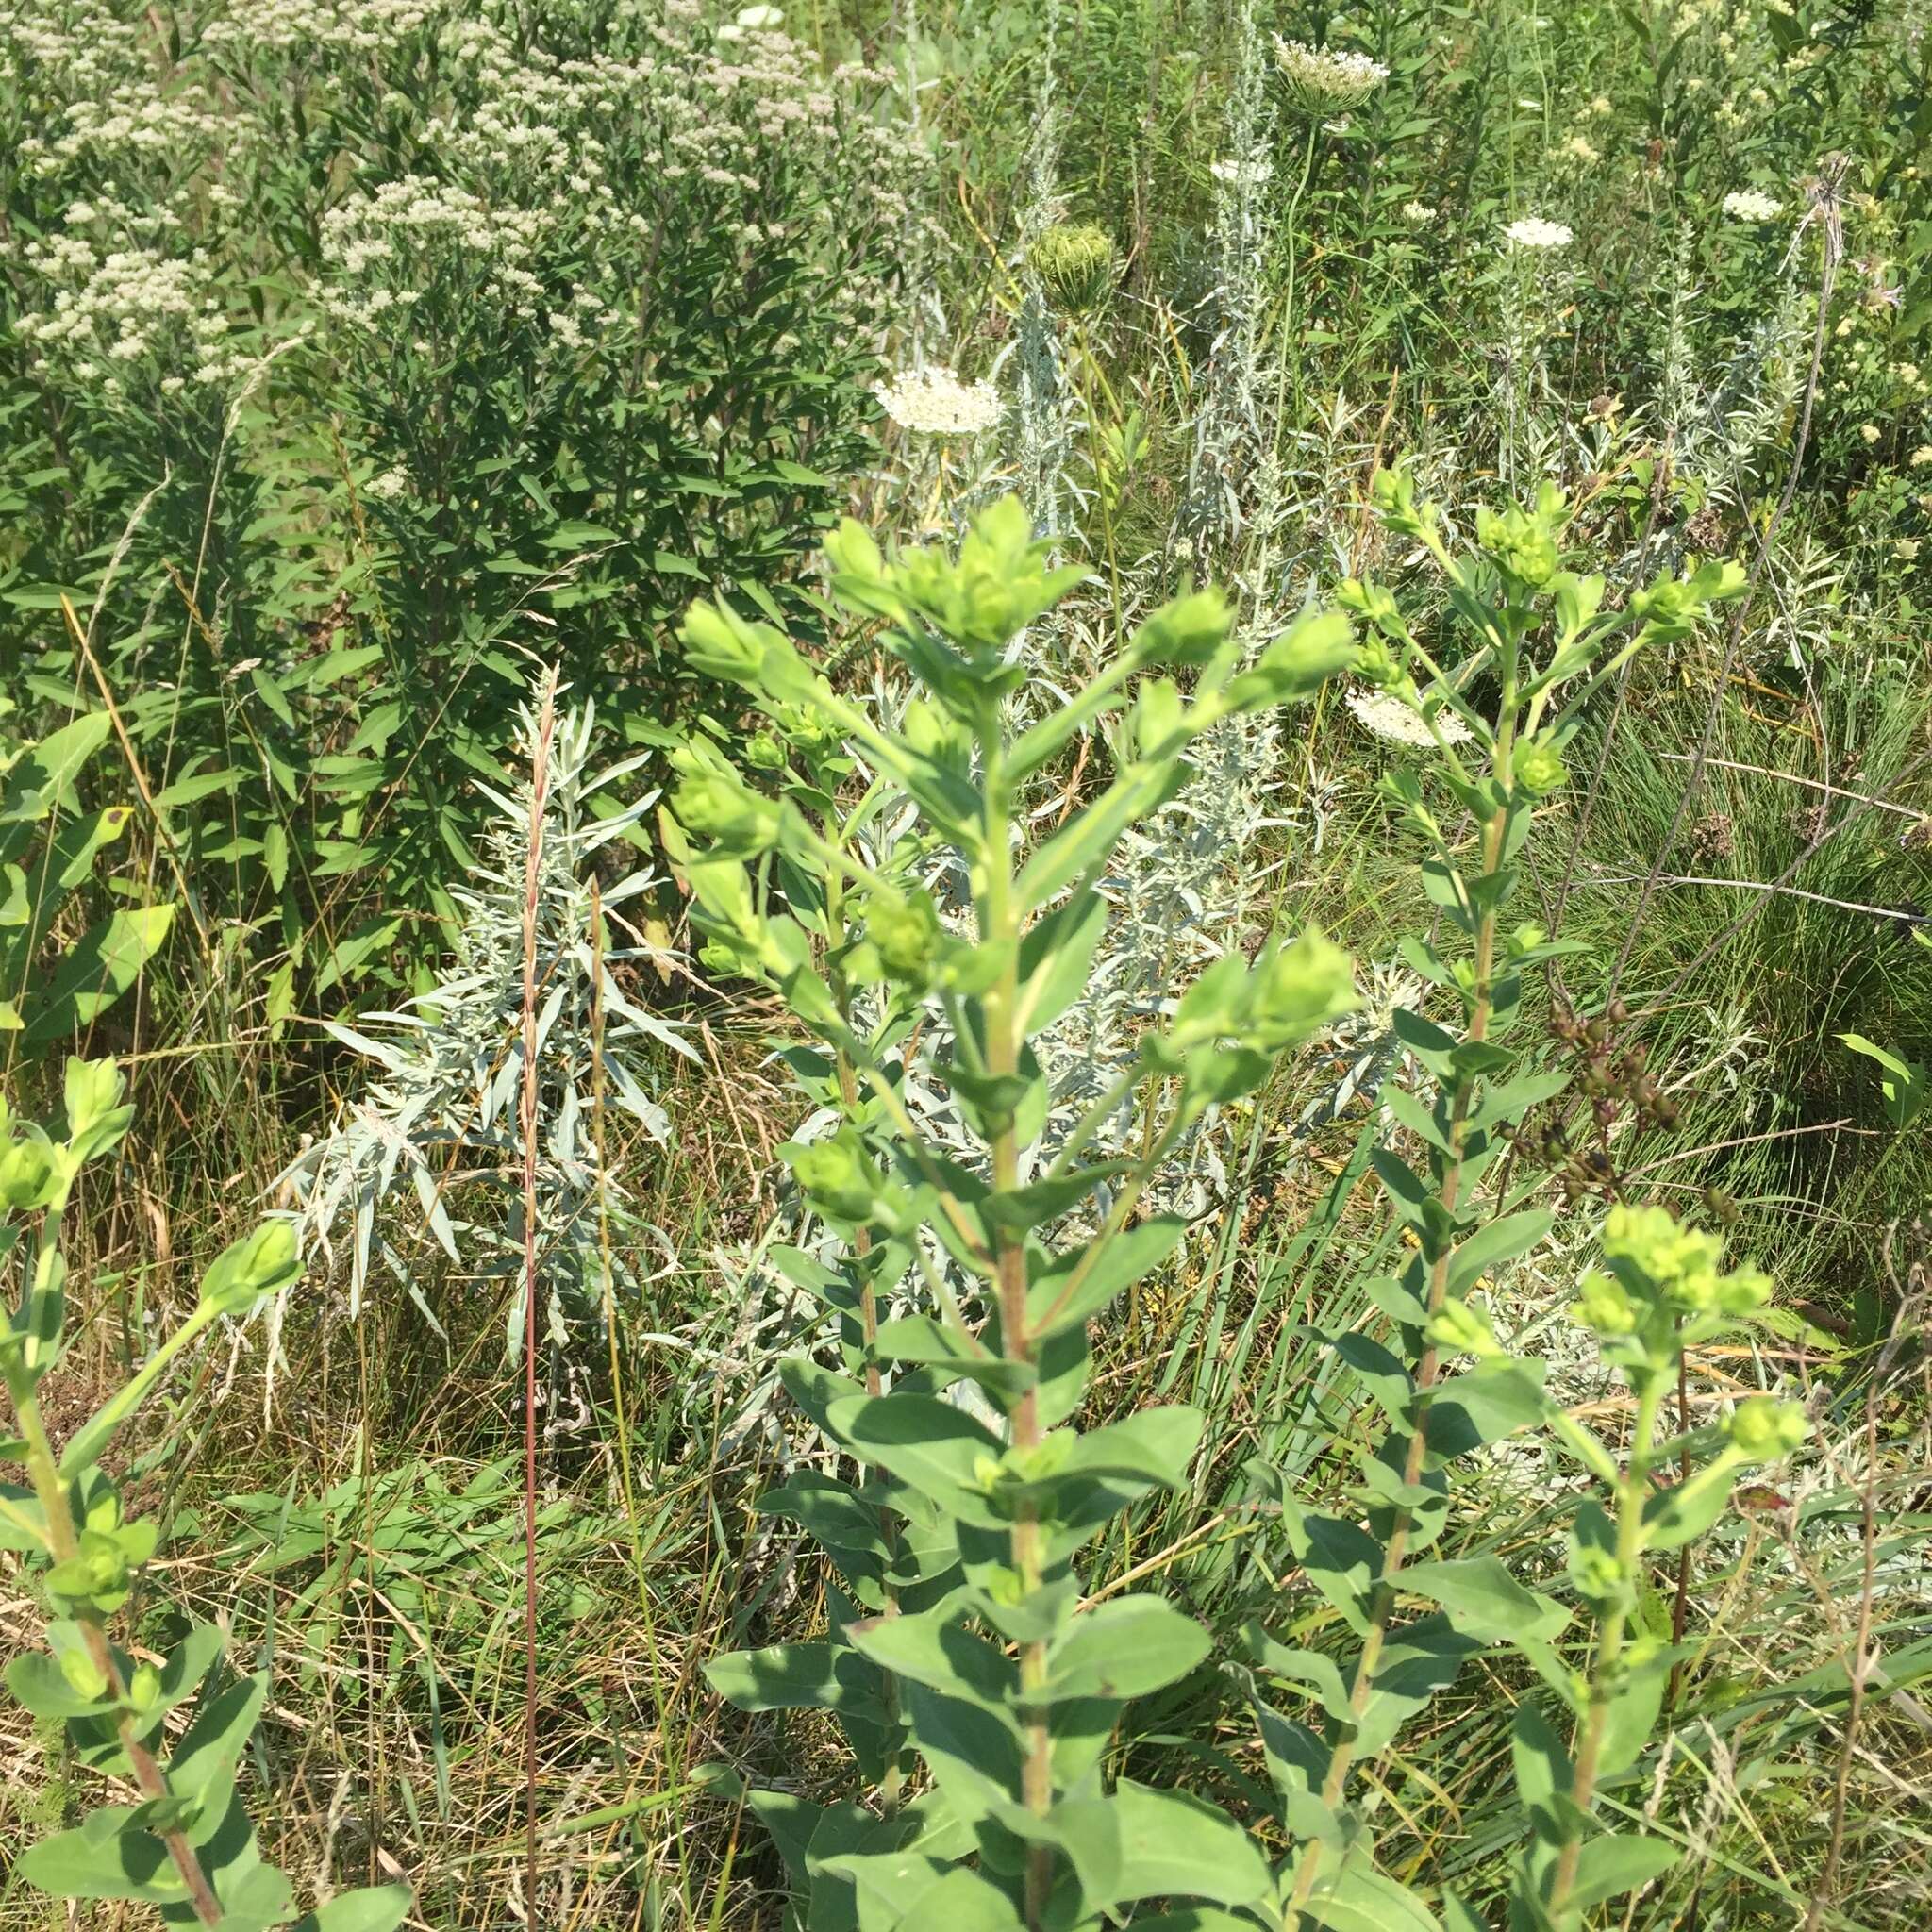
(1388, 717)
(1322, 78)
(934, 402)
(1747, 205)
(1532, 231)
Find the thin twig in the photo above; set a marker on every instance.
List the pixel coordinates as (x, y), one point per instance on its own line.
(533, 882)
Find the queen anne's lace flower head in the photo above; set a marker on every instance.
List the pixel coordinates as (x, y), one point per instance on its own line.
(1747, 205)
(934, 402)
(1533, 231)
(1388, 717)
(1322, 79)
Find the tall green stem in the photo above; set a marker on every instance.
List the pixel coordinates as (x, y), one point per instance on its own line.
(1395, 1552)
(1591, 1726)
(999, 926)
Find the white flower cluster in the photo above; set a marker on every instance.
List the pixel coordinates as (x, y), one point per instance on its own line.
(934, 402)
(1747, 205)
(1323, 78)
(124, 316)
(1533, 231)
(377, 244)
(361, 27)
(1389, 717)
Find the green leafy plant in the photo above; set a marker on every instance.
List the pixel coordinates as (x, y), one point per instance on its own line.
(959, 1642)
(48, 850)
(187, 1846)
(1537, 636)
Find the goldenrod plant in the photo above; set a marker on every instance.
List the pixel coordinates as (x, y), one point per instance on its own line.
(1439, 1384)
(187, 1846)
(961, 1660)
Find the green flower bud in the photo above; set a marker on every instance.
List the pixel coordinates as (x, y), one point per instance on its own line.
(1370, 602)
(721, 955)
(1521, 548)
(835, 1175)
(1075, 265)
(144, 1687)
(1603, 1308)
(719, 806)
(1539, 770)
(96, 1574)
(904, 927)
(95, 1118)
(1188, 630)
(764, 752)
(1742, 1292)
(1456, 1328)
(1595, 1575)
(1764, 1428)
(27, 1176)
(259, 1263)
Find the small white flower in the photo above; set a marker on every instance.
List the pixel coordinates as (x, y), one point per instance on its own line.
(1231, 173)
(1921, 456)
(1533, 231)
(1322, 77)
(762, 20)
(1388, 717)
(1869, 433)
(389, 485)
(1418, 212)
(1580, 150)
(1747, 205)
(934, 402)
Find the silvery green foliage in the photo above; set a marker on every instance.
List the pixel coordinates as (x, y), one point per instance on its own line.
(1230, 429)
(431, 1155)
(1046, 409)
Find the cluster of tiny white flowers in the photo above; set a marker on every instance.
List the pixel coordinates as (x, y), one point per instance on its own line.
(1324, 77)
(1418, 212)
(411, 227)
(362, 27)
(1533, 231)
(106, 309)
(1577, 149)
(1388, 717)
(386, 486)
(934, 402)
(1748, 205)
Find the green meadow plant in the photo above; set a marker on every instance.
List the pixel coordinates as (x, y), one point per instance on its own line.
(978, 1686)
(49, 851)
(187, 1846)
(1438, 1386)
(961, 1652)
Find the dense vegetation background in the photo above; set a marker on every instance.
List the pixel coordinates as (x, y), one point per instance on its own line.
(360, 359)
